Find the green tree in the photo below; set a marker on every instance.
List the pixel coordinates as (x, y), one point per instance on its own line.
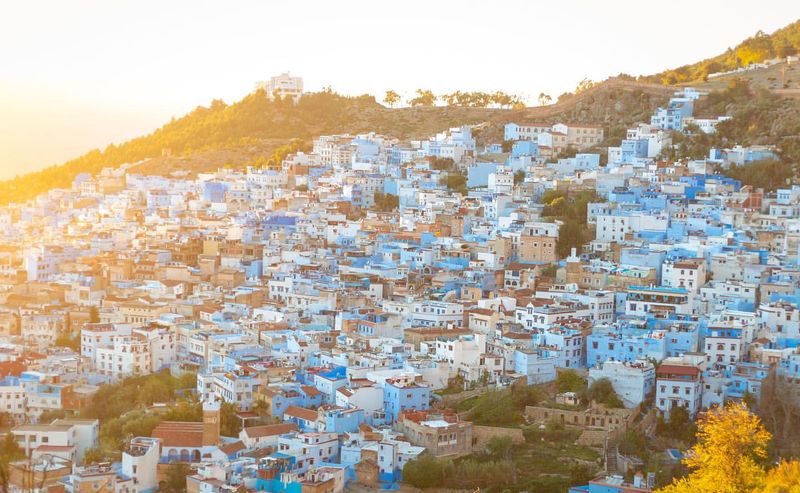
(519, 176)
(423, 472)
(9, 452)
(94, 315)
(386, 202)
(391, 98)
(584, 85)
(185, 410)
(455, 182)
(550, 195)
(550, 271)
(679, 426)
(441, 163)
(571, 209)
(67, 340)
(94, 455)
(230, 423)
(500, 446)
(425, 97)
(154, 391)
(175, 480)
(544, 99)
(570, 381)
(572, 234)
(602, 391)
(50, 415)
(768, 174)
(633, 442)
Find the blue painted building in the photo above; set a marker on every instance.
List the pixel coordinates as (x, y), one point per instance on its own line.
(399, 395)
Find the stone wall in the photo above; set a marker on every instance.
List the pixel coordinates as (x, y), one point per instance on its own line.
(482, 434)
(596, 417)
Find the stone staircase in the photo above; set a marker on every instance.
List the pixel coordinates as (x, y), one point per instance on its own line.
(612, 454)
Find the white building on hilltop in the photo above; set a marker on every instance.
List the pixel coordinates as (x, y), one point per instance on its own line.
(283, 85)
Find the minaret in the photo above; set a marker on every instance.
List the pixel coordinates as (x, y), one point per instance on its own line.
(573, 267)
(211, 417)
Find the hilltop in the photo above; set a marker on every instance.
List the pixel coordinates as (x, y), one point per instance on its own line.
(259, 131)
(756, 49)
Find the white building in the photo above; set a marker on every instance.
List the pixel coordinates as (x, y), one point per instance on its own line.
(140, 462)
(657, 301)
(687, 274)
(163, 346)
(310, 449)
(13, 399)
(467, 357)
(781, 318)
(65, 438)
(718, 295)
(283, 85)
(679, 383)
(614, 227)
(236, 387)
(539, 315)
(428, 313)
(631, 381)
(126, 356)
(367, 397)
(723, 346)
(502, 180)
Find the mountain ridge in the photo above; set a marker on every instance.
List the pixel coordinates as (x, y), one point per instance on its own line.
(755, 49)
(268, 127)
(256, 130)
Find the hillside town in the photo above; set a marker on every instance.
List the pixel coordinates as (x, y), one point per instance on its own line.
(344, 306)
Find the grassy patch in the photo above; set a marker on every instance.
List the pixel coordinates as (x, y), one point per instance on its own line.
(467, 404)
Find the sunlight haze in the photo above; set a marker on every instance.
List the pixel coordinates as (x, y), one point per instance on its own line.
(70, 82)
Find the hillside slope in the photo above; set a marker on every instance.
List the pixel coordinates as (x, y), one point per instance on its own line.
(256, 130)
(756, 49)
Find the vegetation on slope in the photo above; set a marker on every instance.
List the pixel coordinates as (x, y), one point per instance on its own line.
(547, 460)
(758, 118)
(756, 49)
(122, 409)
(571, 209)
(217, 126)
(258, 131)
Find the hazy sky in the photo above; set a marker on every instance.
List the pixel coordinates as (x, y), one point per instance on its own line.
(79, 74)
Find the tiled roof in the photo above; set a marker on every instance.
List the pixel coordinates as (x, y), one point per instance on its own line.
(301, 412)
(270, 430)
(179, 434)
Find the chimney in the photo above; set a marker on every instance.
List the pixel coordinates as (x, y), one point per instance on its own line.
(211, 417)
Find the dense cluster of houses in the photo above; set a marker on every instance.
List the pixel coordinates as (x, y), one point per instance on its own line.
(293, 295)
